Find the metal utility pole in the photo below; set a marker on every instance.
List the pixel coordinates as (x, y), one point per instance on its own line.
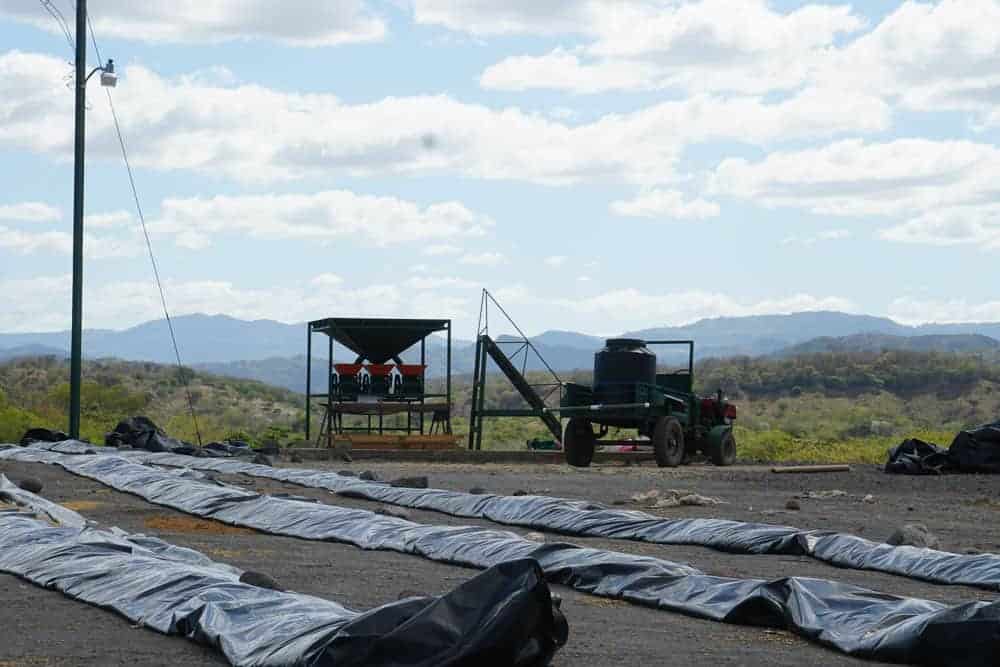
(75, 364)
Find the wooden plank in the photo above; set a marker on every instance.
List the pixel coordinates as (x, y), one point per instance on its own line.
(811, 469)
(401, 442)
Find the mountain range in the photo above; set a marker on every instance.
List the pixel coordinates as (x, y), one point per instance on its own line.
(274, 352)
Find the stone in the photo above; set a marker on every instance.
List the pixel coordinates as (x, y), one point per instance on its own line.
(698, 500)
(415, 482)
(263, 460)
(295, 458)
(826, 495)
(868, 499)
(520, 492)
(914, 535)
(793, 505)
(406, 593)
(646, 497)
(477, 491)
(368, 476)
(389, 510)
(31, 484)
(535, 537)
(260, 580)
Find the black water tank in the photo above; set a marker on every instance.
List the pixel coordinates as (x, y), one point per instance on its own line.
(624, 360)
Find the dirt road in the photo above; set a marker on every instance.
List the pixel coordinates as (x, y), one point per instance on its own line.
(45, 628)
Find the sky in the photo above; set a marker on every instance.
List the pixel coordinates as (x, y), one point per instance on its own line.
(598, 166)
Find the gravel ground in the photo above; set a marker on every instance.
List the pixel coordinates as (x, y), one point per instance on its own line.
(45, 628)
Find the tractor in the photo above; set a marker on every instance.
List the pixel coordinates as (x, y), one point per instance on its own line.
(629, 393)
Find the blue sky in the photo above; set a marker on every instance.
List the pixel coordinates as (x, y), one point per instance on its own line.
(600, 166)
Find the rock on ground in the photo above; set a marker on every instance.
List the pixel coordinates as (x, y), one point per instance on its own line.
(31, 484)
(416, 482)
(263, 460)
(260, 580)
(914, 535)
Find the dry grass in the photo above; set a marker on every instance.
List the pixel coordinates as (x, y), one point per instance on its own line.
(185, 524)
(82, 505)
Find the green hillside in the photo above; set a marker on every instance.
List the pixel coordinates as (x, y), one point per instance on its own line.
(35, 392)
(839, 406)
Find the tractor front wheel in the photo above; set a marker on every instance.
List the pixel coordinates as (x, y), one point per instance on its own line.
(722, 448)
(668, 442)
(578, 442)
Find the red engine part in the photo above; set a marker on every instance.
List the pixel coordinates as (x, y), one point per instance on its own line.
(412, 370)
(347, 369)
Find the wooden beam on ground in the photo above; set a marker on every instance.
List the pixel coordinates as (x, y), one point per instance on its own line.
(808, 469)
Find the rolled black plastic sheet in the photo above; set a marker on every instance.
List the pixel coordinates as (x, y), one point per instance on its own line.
(504, 616)
(849, 618)
(573, 517)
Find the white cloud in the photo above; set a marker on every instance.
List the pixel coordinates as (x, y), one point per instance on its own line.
(29, 211)
(292, 22)
(556, 261)
(909, 310)
(488, 17)
(42, 303)
(31, 242)
(438, 282)
(483, 259)
(254, 134)
(107, 220)
(658, 203)
(956, 225)
(856, 178)
(944, 191)
(440, 249)
(563, 70)
(328, 215)
(61, 243)
(710, 45)
(327, 280)
(929, 56)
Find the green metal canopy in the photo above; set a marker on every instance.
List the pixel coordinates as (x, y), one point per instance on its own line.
(377, 339)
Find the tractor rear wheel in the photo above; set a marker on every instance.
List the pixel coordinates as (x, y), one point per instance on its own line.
(668, 442)
(722, 451)
(578, 442)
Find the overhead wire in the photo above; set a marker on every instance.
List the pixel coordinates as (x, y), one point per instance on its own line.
(60, 18)
(54, 11)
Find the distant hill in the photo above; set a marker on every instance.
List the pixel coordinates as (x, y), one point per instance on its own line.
(272, 351)
(874, 342)
(30, 350)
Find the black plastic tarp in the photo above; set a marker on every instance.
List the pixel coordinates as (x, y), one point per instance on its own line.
(972, 451)
(573, 517)
(504, 616)
(849, 618)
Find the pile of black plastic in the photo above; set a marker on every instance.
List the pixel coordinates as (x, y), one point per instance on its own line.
(142, 433)
(973, 451)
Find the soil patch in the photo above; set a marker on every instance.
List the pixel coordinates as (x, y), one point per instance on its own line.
(184, 524)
